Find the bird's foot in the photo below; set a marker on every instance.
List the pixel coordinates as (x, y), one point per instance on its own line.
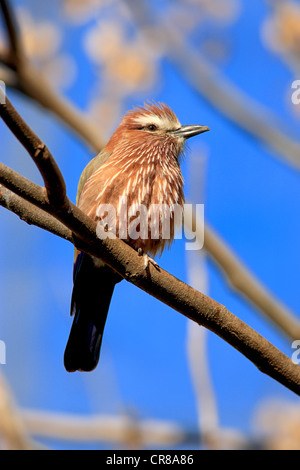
(147, 260)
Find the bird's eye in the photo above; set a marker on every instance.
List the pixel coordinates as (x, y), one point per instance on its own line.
(151, 127)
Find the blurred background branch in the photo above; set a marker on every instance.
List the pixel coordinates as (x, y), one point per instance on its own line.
(242, 110)
(121, 430)
(245, 283)
(31, 81)
(13, 432)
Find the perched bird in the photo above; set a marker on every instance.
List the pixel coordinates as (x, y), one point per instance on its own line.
(140, 164)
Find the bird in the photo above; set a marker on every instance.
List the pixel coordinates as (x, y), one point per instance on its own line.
(140, 164)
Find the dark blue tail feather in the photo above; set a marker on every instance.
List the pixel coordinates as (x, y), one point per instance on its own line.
(92, 293)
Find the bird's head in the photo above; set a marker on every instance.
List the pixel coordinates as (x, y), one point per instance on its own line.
(153, 124)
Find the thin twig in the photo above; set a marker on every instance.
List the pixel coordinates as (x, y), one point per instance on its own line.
(166, 288)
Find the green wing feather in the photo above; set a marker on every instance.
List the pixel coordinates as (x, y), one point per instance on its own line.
(91, 167)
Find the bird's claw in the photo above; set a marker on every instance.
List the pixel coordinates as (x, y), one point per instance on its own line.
(147, 260)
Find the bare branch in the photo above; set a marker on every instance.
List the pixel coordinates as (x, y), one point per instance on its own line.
(31, 192)
(32, 215)
(162, 285)
(53, 179)
(23, 187)
(244, 281)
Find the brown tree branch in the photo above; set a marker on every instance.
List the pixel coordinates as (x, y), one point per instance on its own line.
(23, 187)
(53, 179)
(244, 281)
(158, 283)
(31, 214)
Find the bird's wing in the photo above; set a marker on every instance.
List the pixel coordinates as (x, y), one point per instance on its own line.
(91, 167)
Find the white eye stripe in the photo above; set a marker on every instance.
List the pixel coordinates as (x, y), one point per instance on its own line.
(160, 122)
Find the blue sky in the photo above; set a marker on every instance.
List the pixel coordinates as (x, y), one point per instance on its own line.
(251, 198)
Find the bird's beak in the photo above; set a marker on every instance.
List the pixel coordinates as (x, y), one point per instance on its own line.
(189, 131)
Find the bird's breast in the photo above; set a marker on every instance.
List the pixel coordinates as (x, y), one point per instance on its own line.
(143, 196)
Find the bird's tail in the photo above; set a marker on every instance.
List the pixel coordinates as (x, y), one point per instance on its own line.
(92, 292)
